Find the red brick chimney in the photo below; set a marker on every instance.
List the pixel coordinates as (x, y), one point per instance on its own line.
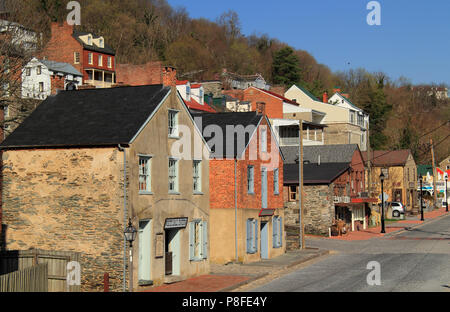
(169, 76)
(260, 108)
(57, 84)
(325, 97)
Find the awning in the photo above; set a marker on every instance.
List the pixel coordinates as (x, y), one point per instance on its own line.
(266, 212)
(358, 200)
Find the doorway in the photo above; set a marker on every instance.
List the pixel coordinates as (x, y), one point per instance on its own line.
(144, 266)
(264, 240)
(172, 251)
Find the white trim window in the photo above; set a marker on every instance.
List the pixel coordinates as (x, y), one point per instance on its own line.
(173, 175)
(41, 87)
(109, 62)
(100, 60)
(91, 59)
(173, 123)
(28, 71)
(276, 182)
(252, 236)
(277, 235)
(250, 179)
(145, 182)
(197, 175)
(264, 140)
(76, 57)
(38, 70)
(198, 240)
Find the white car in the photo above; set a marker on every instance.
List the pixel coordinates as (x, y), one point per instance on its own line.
(397, 209)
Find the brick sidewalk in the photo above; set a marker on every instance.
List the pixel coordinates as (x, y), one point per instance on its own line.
(203, 283)
(389, 227)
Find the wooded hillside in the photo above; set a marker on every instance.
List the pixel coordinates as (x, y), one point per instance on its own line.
(145, 30)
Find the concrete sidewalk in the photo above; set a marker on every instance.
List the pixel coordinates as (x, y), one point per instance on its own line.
(391, 228)
(224, 278)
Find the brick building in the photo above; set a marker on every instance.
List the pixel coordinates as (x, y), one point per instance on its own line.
(87, 52)
(246, 161)
(64, 174)
(146, 74)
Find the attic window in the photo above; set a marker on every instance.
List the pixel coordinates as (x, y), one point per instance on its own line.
(101, 43)
(89, 40)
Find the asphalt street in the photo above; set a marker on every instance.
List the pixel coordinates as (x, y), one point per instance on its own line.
(412, 260)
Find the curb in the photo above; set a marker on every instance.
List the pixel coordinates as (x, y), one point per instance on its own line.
(417, 225)
(285, 267)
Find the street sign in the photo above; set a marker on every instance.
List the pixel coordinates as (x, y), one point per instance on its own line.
(386, 197)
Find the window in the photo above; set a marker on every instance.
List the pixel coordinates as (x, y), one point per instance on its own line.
(198, 240)
(197, 175)
(101, 43)
(201, 96)
(276, 185)
(38, 70)
(277, 235)
(109, 62)
(100, 60)
(28, 71)
(264, 140)
(250, 179)
(89, 40)
(76, 57)
(173, 175)
(90, 58)
(252, 236)
(145, 174)
(385, 172)
(6, 111)
(173, 123)
(41, 87)
(293, 191)
(188, 93)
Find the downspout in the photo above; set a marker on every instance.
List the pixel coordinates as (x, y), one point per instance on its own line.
(235, 209)
(125, 215)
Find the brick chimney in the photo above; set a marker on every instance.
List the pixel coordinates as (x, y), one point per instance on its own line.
(169, 76)
(337, 89)
(260, 108)
(325, 97)
(57, 84)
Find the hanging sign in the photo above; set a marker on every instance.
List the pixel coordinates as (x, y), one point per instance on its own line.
(175, 223)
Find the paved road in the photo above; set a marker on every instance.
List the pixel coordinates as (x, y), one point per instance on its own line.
(414, 260)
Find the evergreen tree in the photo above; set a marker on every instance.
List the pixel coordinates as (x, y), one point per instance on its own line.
(285, 67)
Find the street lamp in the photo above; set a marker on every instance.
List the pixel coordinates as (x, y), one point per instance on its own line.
(421, 206)
(446, 201)
(130, 236)
(382, 202)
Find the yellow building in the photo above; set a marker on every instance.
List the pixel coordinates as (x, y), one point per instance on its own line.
(400, 172)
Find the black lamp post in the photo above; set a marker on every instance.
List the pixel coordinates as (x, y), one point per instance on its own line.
(446, 202)
(421, 205)
(382, 203)
(130, 236)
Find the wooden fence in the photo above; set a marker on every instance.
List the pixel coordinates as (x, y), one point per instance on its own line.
(32, 279)
(56, 261)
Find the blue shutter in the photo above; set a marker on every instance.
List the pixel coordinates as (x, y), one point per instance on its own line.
(255, 247)
(275, 232)
(249, 236)
(191, 241)
(205, 239)
(280, 229)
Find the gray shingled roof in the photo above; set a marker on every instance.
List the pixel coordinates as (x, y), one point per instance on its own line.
(61, 67)
(338, 153)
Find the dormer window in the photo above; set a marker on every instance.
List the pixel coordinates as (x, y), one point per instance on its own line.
(101, 43)
(89, 40)
(201, 96)
(188, 92)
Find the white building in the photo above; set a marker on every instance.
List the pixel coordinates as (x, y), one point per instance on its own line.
(41, 78)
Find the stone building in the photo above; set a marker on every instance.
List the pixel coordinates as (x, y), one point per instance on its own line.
(246, 187)
(64, 172)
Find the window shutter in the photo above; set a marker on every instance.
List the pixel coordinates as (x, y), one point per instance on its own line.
(275, 232)
(255, 247)
(205, 239)
(191, 240)
(280, 230)
(249, 236)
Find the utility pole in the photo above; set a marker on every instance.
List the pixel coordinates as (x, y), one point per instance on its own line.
(300, 184)
(434, 173)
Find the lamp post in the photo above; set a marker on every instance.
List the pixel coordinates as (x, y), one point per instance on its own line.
(421, 206)
(446, 201)
(382, 203)
(130, 236)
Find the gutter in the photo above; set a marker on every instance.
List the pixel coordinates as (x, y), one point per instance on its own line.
(125, 215)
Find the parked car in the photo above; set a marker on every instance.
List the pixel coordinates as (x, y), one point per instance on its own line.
(397, 209)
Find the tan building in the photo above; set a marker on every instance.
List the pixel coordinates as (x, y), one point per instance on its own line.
(445, 164)
(400, 172)
(63, 184)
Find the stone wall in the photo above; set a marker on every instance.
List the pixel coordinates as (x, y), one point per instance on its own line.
(67, 200)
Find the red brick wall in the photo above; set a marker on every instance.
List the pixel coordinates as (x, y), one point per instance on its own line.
(57, 83)
(94, 64)
(221, 175)
(274, 106)
(146, 74)
(62, 46)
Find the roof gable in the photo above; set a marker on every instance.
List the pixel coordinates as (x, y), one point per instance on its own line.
(338, 153)
(89, 117)
(313, 173)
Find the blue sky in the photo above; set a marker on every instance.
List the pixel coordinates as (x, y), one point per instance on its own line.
(412, 41)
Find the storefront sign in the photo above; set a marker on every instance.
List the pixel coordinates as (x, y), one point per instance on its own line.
(266, 212)
(175, 223)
